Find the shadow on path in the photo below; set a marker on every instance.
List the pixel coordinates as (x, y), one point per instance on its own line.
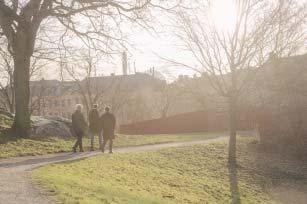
(234, 189)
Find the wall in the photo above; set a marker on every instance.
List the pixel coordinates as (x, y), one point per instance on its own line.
(189, 122)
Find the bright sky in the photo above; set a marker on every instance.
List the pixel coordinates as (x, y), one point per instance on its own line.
(223, 13)
(148, 46)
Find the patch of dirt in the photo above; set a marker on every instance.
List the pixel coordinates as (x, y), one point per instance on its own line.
(288, 174)
(290, 193)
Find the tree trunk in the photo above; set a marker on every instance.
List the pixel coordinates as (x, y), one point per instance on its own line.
(8, 93)
(11, 105)
(21, 126)
(23, 50)
(232, 129)
(11, 92)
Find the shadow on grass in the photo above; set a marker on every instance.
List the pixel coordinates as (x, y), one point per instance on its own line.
(71, 157)
(234, 189)
(6, 136)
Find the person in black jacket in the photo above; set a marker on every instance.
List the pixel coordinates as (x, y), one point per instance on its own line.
(78, 126)
(94, 128)
(108, 123)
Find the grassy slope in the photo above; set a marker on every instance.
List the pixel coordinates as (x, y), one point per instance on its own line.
(22, 147)
(195, 174)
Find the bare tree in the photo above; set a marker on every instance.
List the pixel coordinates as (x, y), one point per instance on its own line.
(6, 85)
(163, 98)
(93, 22)
(138, 108)
(196, 89)
(7, 79)
(38, 95)
(84, 74)
(117, 96)
(230, 57)
(288, 28)
(93, 87)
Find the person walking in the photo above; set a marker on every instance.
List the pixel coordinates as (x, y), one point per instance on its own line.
(108, 122)
(94, 128)
(78, 126)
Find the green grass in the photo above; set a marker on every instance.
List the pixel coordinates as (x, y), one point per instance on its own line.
(5, 121)
(39, 146)
(192, 174)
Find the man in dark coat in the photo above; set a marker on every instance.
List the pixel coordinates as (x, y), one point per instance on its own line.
(108, 123)
(78, 126)
(94, 126)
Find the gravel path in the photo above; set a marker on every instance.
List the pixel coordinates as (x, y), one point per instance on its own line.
(15, 181)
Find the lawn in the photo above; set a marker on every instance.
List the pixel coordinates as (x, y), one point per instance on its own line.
(39, 146)
(191, 174)
(5, 121)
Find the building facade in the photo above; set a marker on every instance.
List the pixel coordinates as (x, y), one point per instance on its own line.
(129, 96)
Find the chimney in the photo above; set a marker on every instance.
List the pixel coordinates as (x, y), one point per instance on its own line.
(124, 63)
(134, 68)
(153, 72)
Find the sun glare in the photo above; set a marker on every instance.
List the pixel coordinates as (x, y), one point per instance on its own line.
(223, 14)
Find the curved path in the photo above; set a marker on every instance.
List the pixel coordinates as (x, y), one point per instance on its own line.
(15, 173)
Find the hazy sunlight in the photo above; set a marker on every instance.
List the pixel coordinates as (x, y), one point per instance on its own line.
(223, 13)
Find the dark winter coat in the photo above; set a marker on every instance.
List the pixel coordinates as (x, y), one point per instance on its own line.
(78, 123)
(93, 118)
(108, 123)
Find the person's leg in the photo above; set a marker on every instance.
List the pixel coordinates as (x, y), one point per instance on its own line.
(111, 146)
(92, 136)
(76, 143)
(105, 140)
(80, 143)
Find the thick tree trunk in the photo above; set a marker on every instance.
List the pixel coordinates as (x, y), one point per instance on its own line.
(21, 126)
(232, 129)
(23, 50)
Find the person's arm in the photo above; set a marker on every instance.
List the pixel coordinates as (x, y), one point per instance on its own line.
(72, 128)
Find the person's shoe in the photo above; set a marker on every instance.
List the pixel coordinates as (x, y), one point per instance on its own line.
(74, 150)
(92, 149)
(81, 150)
(102, 150)
(111, 152)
